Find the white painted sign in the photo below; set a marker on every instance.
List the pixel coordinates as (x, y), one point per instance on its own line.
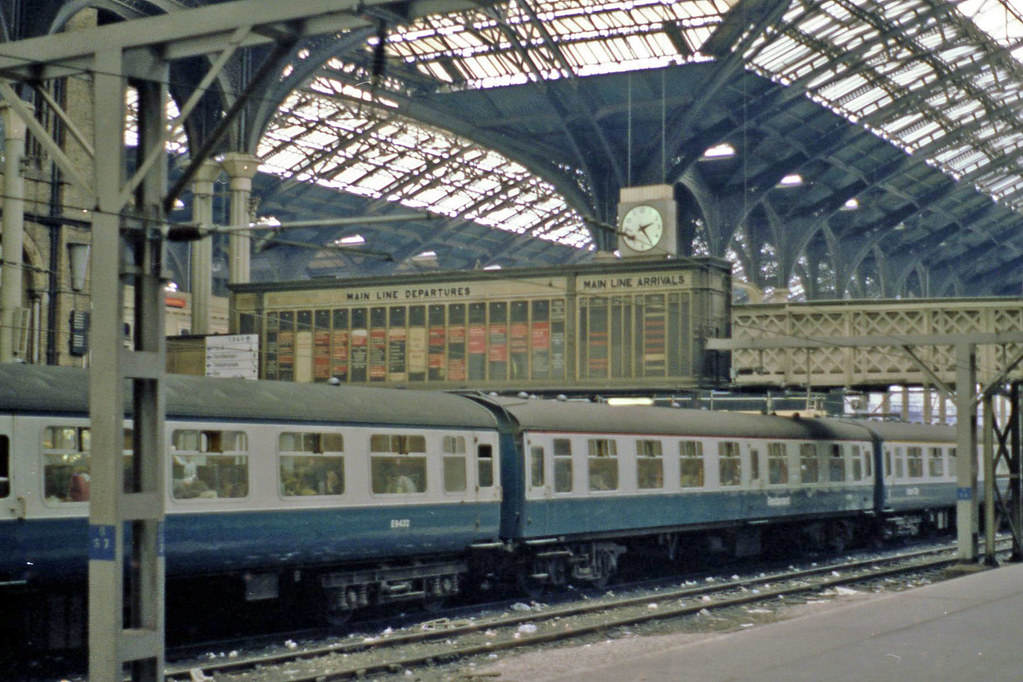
(233, 355)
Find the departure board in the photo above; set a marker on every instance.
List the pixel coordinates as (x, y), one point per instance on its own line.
(607, 325)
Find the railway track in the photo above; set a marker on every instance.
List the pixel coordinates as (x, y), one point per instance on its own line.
(446, 640)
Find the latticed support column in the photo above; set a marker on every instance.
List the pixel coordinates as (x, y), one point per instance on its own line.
(1015, 477)
(126, 598)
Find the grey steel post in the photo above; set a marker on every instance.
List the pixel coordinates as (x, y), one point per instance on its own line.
(126, 621)
(988, 453)
(240, 168)
(1015, 480)
(13, 233)
(966, 451)
(202, 249)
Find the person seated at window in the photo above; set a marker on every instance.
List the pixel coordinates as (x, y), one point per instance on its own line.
(403, 484)
(78, 490)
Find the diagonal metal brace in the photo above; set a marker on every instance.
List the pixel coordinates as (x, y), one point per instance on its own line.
(938, 383)
(44, 138)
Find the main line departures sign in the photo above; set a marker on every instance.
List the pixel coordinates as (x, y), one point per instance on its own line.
(617, 324)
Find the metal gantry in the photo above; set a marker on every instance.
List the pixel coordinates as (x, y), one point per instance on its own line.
(967, 400)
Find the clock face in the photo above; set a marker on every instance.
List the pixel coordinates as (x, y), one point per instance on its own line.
(642, 228)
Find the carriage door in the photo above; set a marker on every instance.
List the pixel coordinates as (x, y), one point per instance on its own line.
(538, 489)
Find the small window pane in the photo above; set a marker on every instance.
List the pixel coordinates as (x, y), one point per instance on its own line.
(603, 474)
(649, 467)
(690, 464)
(650, 473)
(915, 462)
(312, 475)
(562, 474)
(454, 474)
(185, 441)
(398, 475)
(485, 465)
(536, 467)
(936, 468)
(729, 464)
(808, 464)
(777, 463)
(836, 464)
(210, 476)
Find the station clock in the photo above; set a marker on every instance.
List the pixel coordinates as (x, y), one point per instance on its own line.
(647, 222)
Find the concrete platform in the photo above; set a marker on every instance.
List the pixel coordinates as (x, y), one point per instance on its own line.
(967, 628)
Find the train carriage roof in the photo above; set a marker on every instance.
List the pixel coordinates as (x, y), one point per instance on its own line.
(546, 415)
(42, 389)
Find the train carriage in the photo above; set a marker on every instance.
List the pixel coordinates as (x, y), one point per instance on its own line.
(588, 474)
(263, 478)
(351, 496)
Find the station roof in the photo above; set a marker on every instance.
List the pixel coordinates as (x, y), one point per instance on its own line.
(838, 147)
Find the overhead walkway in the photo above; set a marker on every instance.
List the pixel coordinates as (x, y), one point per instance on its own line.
(808, 343)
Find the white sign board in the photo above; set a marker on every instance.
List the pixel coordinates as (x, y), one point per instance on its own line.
(233, 355)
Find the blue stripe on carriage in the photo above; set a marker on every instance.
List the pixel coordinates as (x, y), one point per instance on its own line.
(604, 513)
(57, 549)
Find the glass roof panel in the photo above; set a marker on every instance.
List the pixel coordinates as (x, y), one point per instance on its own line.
(915, 78)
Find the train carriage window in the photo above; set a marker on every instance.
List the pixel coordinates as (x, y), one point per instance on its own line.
(690, 458)
(808, 463)
(777, 463)
(562, 465)
(900, 459)
(485, 466)
(536, 477)
(855, 463)
(5, 466)
(754, 464)
(649, 465)
(311, 464)
(868, 460)
(603, 460)
(836, 464)
(915, 462)
(936, 463)
(66, 463)
(454, 464)
(209, 464)
(398, 463)
(887, 462)
(729, 464)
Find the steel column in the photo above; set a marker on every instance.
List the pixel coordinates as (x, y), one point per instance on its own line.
(988, 454)
(202, 249)
(241, 168)
(126, 621)
(13, 234)
(966, 449)
(1015, 480)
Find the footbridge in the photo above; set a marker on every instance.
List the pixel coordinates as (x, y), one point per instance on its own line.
(873, 344)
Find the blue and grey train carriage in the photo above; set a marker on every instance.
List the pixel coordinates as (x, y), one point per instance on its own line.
(375, 495)
(593, 480)
(351, 496)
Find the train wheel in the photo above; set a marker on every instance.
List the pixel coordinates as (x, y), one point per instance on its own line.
(434, 603)
(528, 585)
(603, 568)
(337, 618)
